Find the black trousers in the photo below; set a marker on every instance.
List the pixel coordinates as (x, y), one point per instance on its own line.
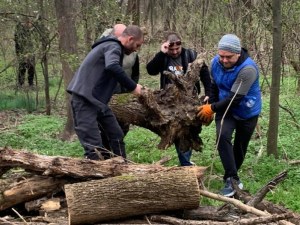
(232, 156)
(27, 64)
(87, 120)
(106, 138)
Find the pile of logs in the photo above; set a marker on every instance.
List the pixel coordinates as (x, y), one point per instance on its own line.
(65, 190)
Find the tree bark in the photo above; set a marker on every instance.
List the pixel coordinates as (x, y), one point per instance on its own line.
(65, 14)
(57, 171)
(272, 148)
(27, 189)
(81, 169)
(131, 195)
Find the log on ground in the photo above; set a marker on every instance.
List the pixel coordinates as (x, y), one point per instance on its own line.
(130, 195)
(80, 169)
(27, 189)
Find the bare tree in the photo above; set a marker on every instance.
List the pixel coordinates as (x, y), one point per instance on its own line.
(133, 10)
(65, 13)
(86, 17)
(275, 86)
(43, 35)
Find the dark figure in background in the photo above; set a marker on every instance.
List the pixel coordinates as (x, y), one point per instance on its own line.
(92, 87)
(25, 51)
(175, 58)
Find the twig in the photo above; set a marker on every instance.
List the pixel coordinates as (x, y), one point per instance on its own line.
(252, 221)
(291, 114)
(148, 221)
(259, 196)
(163, 160)
(21, 217)
(221, 127)
(294, 162)
(11, 63)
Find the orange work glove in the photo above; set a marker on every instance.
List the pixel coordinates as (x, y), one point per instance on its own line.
(205, 113)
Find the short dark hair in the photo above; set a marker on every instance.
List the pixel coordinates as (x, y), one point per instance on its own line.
(133, 30)
(172, 36)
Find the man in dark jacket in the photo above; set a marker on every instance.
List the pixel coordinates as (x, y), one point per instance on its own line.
(25, 51)
(174, 58)
(131, 67)
(236, 100)
(92, 87)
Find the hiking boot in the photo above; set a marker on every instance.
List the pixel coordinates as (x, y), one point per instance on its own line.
(228, 189)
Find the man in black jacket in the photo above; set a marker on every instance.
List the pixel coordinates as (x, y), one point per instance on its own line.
(92, 87)
(174, 58)
(25, 51)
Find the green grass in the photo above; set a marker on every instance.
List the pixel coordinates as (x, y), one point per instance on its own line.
(40, 134)
(20, 100)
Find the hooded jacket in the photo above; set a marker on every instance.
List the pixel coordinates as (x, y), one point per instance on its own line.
(97, 76)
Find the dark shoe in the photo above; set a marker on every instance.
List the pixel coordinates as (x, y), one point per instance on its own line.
(228, 189)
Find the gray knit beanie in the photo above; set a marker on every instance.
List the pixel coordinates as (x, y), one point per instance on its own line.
(230, 43)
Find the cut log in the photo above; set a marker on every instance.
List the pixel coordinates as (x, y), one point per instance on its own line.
(27, 189)
(125, 196)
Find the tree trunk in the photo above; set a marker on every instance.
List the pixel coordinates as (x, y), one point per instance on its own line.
(65, 13)
(275, 86)
(130, 195)
(133, 11)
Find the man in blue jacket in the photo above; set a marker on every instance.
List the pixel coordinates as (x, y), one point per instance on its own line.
(92, 87)
(174, 58)
(236, 99)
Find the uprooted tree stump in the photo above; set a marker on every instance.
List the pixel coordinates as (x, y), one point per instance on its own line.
(170, 113)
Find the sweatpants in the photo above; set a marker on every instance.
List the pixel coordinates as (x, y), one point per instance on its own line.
(87, 120)
(232, 156)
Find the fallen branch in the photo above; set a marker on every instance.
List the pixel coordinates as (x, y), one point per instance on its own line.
(252, 221)
(81, 169)
(235, 202)
(260, 195)
(294, 162)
